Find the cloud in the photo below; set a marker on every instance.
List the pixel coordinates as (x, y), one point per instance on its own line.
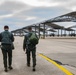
(38, 3)
(12, 7)
(5, 16)
(68, 4)
(31, 18)
(1, 1)
(19, 13)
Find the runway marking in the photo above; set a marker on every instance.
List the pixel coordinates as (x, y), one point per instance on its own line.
(59, 66)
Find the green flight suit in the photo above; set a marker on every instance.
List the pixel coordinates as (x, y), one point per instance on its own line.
(6, 48)
(30, 49)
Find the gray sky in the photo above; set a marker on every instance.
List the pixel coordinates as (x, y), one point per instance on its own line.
(19, 13)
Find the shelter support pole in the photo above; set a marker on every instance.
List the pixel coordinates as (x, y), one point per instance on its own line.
(35, 29)
(64, 32)
(19, 33)
(69, 33)
(58, 32)
(61, 32)
(39, 30)
(74, 32)
(44, 31)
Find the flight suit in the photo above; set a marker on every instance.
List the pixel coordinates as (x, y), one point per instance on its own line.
(30, 49)
(6, 49)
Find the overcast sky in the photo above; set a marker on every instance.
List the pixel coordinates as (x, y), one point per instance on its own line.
(19, 13)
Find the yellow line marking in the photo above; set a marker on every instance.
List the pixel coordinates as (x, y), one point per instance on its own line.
(59, 66)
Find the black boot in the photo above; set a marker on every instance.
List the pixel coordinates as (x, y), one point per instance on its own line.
(34, 69)
(28, 65)
(10, 67)
(6, 70)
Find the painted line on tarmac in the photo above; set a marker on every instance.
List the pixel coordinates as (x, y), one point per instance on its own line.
(59, 66)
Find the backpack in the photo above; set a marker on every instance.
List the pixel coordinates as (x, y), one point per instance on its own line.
(33, 39)
(6, 37)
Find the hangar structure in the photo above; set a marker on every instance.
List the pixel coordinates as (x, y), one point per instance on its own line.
(43, 26)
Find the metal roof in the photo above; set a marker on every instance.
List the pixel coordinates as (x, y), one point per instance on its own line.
(69, 17)
(54, 26)
(74, 26)
(69, 29)
(52, 30)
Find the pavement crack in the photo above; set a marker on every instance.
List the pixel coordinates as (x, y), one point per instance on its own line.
(60, 63)
(70, 65)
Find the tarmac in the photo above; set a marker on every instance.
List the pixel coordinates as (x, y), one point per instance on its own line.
(55, 56)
